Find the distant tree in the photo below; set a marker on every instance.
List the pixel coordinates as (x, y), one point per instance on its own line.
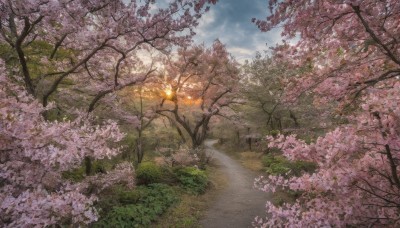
(139, 113)
(353, 50)
(202, 80)
(263, 88)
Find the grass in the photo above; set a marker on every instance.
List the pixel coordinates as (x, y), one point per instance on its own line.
(251, 160)
(191, 208)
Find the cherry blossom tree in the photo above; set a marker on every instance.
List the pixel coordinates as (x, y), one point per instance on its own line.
(34, 152)
(52, 43)
(353, 52)
(205, 80)
(95, 42)
(75, 48)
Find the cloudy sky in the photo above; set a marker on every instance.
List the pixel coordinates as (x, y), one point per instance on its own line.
(230, 21)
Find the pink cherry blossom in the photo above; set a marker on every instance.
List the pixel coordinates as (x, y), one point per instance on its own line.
(350, 55)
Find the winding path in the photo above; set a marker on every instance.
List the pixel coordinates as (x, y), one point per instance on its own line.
(238, 204)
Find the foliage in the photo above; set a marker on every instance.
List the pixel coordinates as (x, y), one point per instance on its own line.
(262, 88)
(129, 197)
(98, 167)
(351, 51)
(78, 174)
(168, 176)
(74, 175)
(279, 165)
(274, 132)
(192, 179)
(280, 198)
(267, 109)
(139, 207)
(148, 173)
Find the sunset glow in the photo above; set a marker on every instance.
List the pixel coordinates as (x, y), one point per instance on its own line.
(169, 93)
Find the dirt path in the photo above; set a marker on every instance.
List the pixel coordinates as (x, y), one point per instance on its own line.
(238, 203)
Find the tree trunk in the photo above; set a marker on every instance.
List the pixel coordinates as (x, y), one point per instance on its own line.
(195, 142)
(294, 118)
(249, 142)
(139, 148)
(139, 153)
(88, 166)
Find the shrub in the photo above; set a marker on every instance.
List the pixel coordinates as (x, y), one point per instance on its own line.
(279, 165)
(150, 202)
(129, 197)
(78, 174)
(274, 133)
(278, 169)
(168, 176)
(159, 195)
(268, 160)
(148, 173)
(75, 175)
(298, 167)
(192, 179)
(98, 167)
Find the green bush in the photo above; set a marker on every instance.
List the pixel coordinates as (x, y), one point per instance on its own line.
(278, 169)
(168, 176)
(78, 174)
(129, 197)
(98, 167)
(192, 179)
(148, 173)
(117, 195)
(75, 175)
(279, 165)
(268, 160)
(274, 133)
(298, 167)
(150, 202)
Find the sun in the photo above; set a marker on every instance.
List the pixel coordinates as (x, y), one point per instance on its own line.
(168, 92)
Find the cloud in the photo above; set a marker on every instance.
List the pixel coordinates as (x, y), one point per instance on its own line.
(230, 22)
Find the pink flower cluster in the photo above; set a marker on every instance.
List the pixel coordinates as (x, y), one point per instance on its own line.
(34, 152)
(349, 54)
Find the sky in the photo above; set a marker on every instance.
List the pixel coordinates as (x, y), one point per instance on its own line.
(230, 22)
